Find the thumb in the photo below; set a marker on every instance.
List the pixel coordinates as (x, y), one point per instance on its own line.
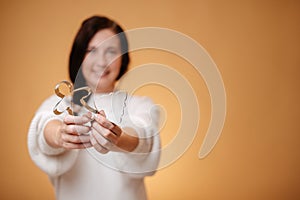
(101, 112)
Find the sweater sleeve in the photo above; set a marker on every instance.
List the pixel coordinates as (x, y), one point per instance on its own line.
(53, 161)
(143, 116)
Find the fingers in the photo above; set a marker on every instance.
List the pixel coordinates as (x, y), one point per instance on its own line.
(104, 134)
(101, 112)
(116, 129)
(97, 146)
(76, 129)
(80, 120)
(97, 129)
(75, 141)
(76, 124)
(70, 146)
(74, 132)
(103, 140)
(101, 119)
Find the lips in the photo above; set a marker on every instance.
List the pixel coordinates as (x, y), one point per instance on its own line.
(105, 73)
(98, 74)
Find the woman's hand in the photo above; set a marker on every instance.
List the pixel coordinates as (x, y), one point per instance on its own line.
(69, 134)
(107, 136)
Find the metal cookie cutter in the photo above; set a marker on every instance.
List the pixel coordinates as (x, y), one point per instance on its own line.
(68, 92)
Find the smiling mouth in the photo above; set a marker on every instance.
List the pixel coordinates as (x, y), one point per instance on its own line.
(101, 74)
(105, 73)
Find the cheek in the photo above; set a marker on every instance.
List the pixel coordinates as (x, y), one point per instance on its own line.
(87, 61)
(85, 71)
(116, 66)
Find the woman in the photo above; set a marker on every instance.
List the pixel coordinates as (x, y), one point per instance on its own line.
(102, 156)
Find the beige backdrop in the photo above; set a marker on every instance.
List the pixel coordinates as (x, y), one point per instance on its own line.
(255, 44)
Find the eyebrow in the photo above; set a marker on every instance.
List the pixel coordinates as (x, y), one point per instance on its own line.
(107, 47)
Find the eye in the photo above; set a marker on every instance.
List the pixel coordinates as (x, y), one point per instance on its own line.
(112, 51)
(91, 50)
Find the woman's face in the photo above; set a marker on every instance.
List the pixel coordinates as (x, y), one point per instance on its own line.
(102, 62)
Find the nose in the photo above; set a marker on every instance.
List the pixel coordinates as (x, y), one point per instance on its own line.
(100, 61)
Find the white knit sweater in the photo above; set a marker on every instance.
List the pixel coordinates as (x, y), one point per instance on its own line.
(87, 174)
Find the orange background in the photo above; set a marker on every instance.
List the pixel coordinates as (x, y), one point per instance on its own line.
(255, 45)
